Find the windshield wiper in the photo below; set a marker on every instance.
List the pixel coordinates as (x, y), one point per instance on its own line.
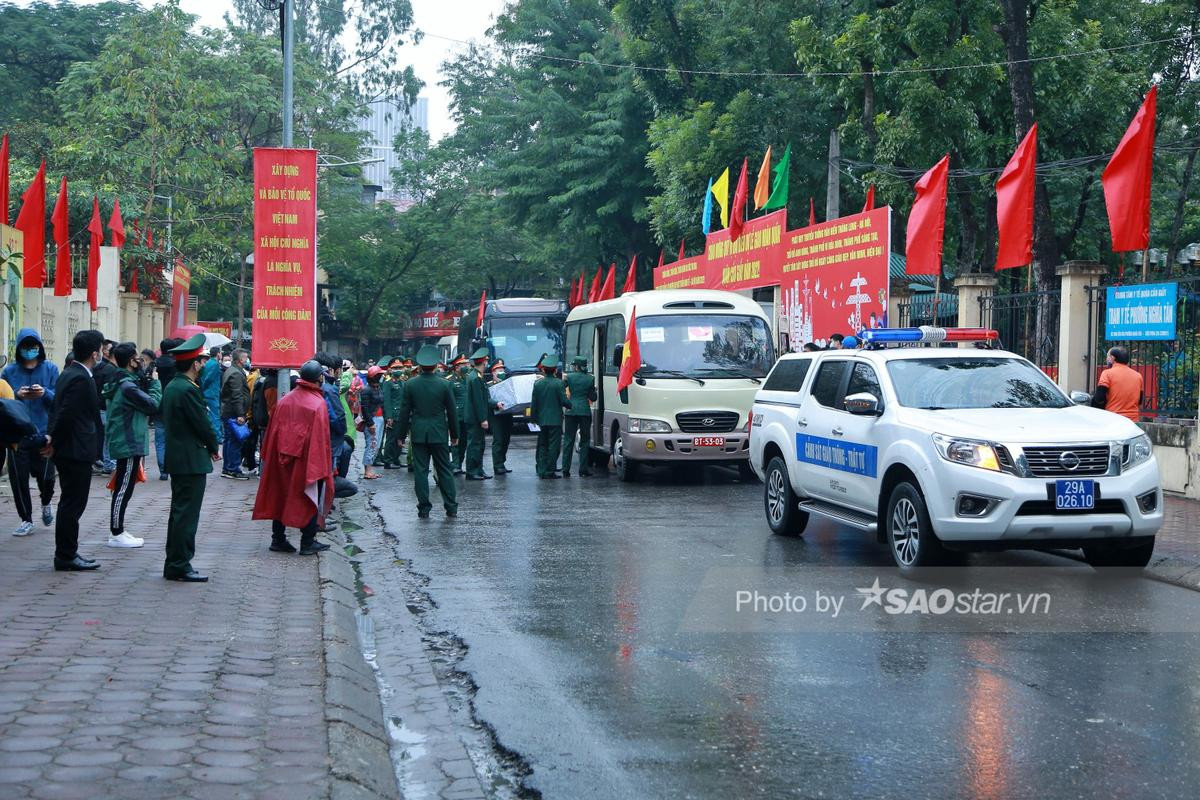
(675, 373)
(932, 408)
(734, 372)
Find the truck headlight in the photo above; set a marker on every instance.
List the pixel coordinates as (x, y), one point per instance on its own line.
(1136, 451)
(971, 452)
(640, 425)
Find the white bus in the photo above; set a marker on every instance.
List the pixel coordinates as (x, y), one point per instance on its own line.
(704, 354)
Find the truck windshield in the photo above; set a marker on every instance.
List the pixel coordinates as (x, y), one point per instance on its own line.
(944, 383)
(704, 346)
(521, 341)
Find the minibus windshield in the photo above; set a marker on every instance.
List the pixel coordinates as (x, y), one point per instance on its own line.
(704, 346)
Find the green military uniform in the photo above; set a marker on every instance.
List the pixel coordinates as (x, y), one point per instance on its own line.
(475, 414)
(582, 388)
(501, 426)
(393, 391)
(191, 443)
(427, 410)
(546, 410)
(458, 387)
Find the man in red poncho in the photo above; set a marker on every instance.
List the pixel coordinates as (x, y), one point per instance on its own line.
(296, 488)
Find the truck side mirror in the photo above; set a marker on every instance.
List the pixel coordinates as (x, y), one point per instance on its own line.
(1080, 398)
(863, 404)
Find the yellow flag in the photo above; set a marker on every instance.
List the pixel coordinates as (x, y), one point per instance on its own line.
(720, 191)
(762, 187)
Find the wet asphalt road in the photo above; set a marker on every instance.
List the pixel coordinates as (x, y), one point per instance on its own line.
(599, 622)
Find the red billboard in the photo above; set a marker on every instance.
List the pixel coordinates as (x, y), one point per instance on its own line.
(434, 324)
(224, 328)
(285, 278)
(180, 287)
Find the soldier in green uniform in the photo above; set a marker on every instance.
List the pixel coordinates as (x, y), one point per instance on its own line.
(427, 410)
(500, 424)
(475, 418)
(393, 389)
(191, 450)
(581, 388)
(546, 409)
(458, 385)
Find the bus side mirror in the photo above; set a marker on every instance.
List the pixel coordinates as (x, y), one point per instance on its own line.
(618, 351)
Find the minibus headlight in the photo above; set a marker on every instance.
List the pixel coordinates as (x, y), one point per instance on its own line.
(641, 425)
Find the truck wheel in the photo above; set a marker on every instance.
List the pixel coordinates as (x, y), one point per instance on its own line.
(781, 504)
(910, 534)
(627, 469)
(1131, 553)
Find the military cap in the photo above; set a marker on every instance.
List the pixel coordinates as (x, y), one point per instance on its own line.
(427, 356)
(479, 354)
(579, 361)
(550, 362)
(192, 348)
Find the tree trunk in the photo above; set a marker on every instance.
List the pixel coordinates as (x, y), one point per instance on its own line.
(1177, 223)
(868, 112)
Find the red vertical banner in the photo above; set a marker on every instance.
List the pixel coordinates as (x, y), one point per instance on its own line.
(285, 268)
(181, 286)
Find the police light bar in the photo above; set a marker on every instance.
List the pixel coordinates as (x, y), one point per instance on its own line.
(926, 334)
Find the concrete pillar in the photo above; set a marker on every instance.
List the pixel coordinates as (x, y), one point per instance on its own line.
(161, 313)
(128, 326)
(899, 295)
(145, 323)
(54, 326)
(1074, 344)
(971, 287)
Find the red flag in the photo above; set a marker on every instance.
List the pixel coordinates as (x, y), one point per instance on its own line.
(62, 243)
(631, 276)
(32, 222)
(927, 222)
(609, 289)
(133, 286)
(681, 255)
(738, 217)
(149, 238)
(870, 204)
(4, 180)
(594, 294)
(660, 258)
(571, 295)
(1014, 205)
(581, 289)
(812, 213)
(479, 316)
(631, 354)
(96, 229)
(117, 225)
(1126, 180)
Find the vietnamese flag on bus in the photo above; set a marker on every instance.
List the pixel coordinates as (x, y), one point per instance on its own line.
(631, 354)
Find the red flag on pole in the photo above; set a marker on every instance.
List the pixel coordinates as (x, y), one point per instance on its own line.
(631, 354)
(661, 253)
(62, 243)
(812, 213)
(1126, 180)
(594, 293)
(581, 290)
(479, 316)
(609, 289)
(96, 231)
(870, 204)
(927, 222)
(31, 221)
(4, 180)
(1014, 205)
(571, 295)
(631, 276)
(738, 218)
(681, 251)
(149, 238)
(117, 225)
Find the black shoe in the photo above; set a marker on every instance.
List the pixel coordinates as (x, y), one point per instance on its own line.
(479, 477)
(313, 548)
(390, 466)
(459, 472)
(451, 514)
(76, 564)
(188, 577)
(554, 476)
(422, 515)
(507, 470)
(283, 547)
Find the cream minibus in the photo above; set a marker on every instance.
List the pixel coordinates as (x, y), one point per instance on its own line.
(704, 354)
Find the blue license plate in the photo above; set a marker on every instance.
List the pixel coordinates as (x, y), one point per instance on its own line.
(1074, 495)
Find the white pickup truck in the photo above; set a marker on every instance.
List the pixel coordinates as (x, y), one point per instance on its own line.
(950, 448)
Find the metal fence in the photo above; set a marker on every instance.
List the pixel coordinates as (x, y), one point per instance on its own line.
(1169, 369)
(923, 311)
(1027, 323)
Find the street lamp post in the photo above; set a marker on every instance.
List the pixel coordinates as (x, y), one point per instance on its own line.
(241, 326)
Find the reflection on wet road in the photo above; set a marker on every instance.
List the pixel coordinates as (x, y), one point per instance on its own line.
(599, 660)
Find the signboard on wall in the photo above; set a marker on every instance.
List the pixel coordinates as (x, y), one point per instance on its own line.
(1140, 313)
(434, 324)
(285, 276)
(224, 328)
(181, 285)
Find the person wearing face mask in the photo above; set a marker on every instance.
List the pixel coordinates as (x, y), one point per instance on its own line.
(392, 388)
(475, 418)
(132, 397)
(459, 368)
(500, 423)
(32, 379)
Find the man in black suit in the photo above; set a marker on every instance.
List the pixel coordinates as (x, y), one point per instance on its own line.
(74, 442)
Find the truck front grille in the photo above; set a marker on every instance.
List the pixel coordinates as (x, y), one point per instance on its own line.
(1067, 461)
(707, 421)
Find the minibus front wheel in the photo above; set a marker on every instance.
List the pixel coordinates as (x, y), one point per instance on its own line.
(627, 469)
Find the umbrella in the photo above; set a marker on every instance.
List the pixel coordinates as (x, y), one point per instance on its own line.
(210, 339)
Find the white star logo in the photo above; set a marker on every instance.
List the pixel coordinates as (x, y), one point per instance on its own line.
(871, 594)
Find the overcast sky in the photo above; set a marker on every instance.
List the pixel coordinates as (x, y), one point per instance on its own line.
(458, 19)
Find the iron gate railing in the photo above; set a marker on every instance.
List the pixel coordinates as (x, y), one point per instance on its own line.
(1027, 323)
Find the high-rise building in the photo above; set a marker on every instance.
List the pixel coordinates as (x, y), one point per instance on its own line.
(384, 119)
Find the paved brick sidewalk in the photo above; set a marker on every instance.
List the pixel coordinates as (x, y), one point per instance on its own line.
(119, 684)
(1177, 546)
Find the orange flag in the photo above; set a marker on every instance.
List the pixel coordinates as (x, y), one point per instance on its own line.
(631, 354)
(631, 277)
(62, 243)
(762, 186)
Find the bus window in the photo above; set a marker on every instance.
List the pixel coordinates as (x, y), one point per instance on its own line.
(613, 336)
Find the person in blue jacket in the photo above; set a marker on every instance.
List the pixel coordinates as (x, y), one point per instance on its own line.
(210, 386)
(32, 378)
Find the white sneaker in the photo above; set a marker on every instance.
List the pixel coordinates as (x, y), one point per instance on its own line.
(24, 529)
(124, 540)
